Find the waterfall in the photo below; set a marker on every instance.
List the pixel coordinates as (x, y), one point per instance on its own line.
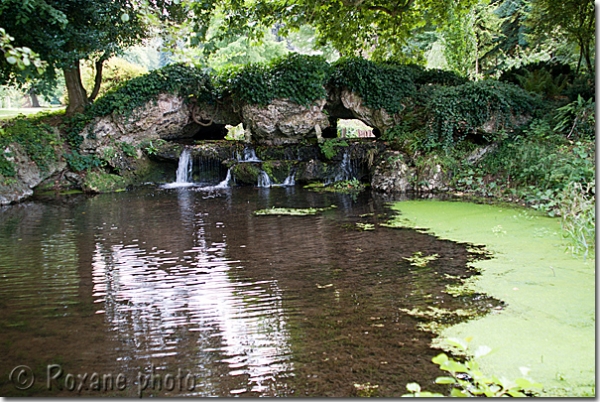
(289, 181)
(263, 180)
(184, 169)
(225, 183)
(345, 170)
(249, 155)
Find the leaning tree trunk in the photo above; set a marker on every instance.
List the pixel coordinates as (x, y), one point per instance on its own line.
(97, 79)
(77, 96)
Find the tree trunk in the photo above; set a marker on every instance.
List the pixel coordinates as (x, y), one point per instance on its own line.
(97, 79)
(34, 99)
(77, 95)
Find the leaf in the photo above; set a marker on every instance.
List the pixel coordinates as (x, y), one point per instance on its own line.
(457, 393)
(125, 17)
(413, 387)
(440, 359)
(11, 60)
(445, 380)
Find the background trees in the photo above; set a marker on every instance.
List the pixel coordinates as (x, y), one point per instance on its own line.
(64, 32)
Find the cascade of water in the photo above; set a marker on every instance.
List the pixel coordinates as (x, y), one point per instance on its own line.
(249, 155)
(224, 183)
(263, 179)
(345, 171)
(184, 169)
(290, 180)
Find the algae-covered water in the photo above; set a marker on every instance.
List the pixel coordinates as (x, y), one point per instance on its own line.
(548, 322)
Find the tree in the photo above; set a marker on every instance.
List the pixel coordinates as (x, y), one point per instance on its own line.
(379, 29)
(64, 32)
(470, 37)
(572, 19)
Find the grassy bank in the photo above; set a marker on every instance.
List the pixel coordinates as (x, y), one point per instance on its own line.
(548, 324)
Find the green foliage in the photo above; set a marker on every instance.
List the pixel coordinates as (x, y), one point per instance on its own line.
(455, 112)
(37, 139)
(329, 147)
(577, 208)
(577, 119)
(22, 58)
(114, 73)
(128, 149)
(380, 85)
(152, 147)
(78, 162)
(297, 77)
(175, 78)
(467, 379)
(347, 186)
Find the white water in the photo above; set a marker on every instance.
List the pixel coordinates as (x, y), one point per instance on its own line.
(345, 169)
(184, 171)
(289, 181)
(221, 185)
(263, 179)
(248, 156)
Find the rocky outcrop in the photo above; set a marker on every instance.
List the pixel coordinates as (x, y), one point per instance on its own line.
(284, 122)
(392, 174)
(28, 174)
(377, 118)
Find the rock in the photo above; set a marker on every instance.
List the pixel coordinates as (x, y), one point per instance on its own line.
(392, 174)
(245, 173)
(100, 182)
(28, 175)
(377, 118)
(312, 171)
(284, 121)
(431, 178)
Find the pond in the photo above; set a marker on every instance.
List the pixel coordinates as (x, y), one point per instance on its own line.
(181, 292)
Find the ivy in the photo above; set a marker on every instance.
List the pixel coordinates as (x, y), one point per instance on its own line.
(37, 139)
(454, 112)
(297, 77)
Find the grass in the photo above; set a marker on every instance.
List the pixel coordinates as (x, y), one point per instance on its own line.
(10, 113)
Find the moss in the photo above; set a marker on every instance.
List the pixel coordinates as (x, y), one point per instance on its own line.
(100, 182)
(245, 173)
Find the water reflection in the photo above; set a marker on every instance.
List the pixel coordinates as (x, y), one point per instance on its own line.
(161, 280)
(157, 298)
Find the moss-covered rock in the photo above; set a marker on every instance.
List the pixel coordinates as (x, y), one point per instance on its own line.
(101, 182)
(245, 173)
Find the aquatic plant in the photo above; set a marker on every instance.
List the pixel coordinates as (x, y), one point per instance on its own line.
(577, 208)
(419, 260)
(292, 211)
(467, 379)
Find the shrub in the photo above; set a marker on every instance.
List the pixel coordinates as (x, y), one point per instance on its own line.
(297, 77)
(37, 139)
(380, 85)
(455, 112)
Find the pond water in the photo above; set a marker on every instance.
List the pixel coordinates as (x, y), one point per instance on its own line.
(177, 292)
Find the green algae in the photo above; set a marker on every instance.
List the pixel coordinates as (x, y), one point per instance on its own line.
(291, 211)
(548, 324)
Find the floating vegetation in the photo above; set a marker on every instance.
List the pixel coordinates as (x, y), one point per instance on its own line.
(365, 226)
(292, 211)
(435, 312)
(418, 260)
(366, 390)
